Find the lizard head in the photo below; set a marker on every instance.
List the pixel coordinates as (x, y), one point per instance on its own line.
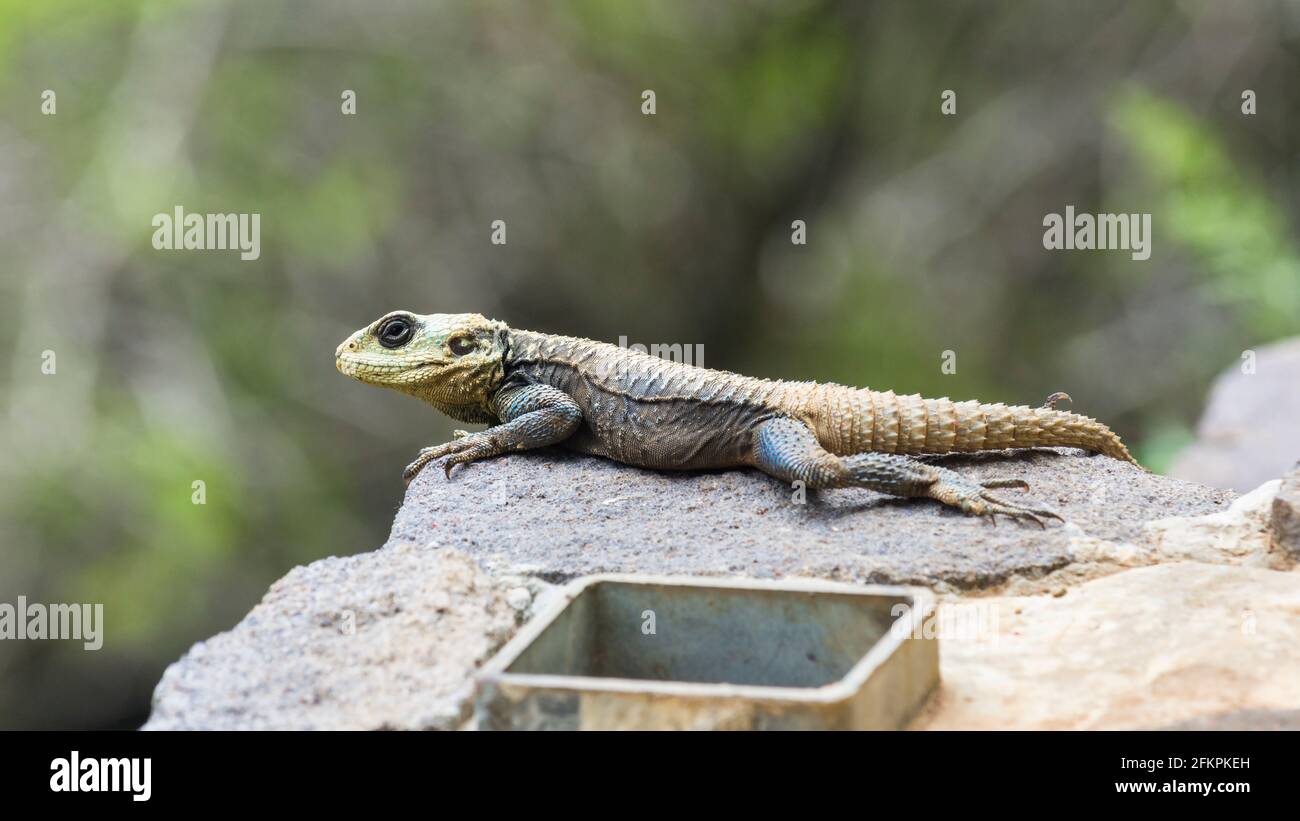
(452, 361)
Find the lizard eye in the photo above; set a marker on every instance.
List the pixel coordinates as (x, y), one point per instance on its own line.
(460, 345)
(395, 332)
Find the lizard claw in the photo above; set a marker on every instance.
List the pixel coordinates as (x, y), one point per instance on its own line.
(412, 470)
(976, 500)
(433, 452)
(992, 506)
(458, 459)
(1016, 483)
(467, 447)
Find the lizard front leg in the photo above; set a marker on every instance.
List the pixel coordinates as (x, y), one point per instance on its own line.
(787, 449)
(532, 416)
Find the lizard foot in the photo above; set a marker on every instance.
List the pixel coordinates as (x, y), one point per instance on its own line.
(976, 500)
(466, 447)
(412, 470)
(433, 452)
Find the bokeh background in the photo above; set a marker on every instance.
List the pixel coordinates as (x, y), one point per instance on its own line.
(924, 235)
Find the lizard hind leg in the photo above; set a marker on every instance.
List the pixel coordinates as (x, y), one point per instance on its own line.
(787, 449)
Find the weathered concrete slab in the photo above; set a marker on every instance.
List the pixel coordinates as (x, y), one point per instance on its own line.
(558, 515)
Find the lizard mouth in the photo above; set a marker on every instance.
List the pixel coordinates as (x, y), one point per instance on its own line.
(375, 369)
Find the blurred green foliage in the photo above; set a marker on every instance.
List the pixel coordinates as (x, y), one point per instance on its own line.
(924, 236)
(1215, 209)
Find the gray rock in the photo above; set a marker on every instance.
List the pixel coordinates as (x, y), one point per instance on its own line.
(1285, 524)
(557, 515)
(391, 639)
(383, 640)
(1248, 433)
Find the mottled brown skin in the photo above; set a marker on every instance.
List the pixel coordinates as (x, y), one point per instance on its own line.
(537, 389)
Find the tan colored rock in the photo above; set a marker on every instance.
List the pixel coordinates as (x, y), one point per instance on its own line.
(1146, 647)
(1239, 535)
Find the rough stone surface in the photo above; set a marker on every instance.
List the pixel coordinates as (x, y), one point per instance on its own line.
(1094, 625)
(1285, 522)
(1182, 644)
(383, 640)
(557, 515)
(1248, 433)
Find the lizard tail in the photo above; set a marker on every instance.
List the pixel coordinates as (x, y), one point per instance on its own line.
(913, 425)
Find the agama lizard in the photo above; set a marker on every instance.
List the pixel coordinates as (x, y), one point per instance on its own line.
(536, 389)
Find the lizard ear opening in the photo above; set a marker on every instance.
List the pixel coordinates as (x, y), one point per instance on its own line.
(461, 345)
